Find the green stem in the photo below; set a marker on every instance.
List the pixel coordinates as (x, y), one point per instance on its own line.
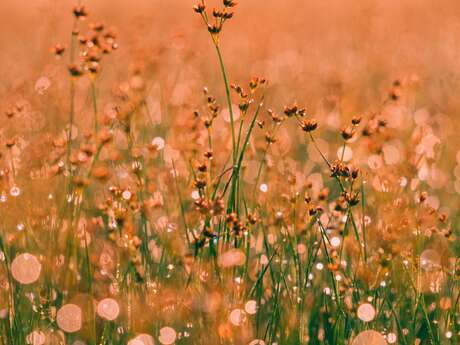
(94, 98)
(229, 101)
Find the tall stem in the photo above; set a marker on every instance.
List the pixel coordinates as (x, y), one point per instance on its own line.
(94, 98)
(71, 106)
(229, 101)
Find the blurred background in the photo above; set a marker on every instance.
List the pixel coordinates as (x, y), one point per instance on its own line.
(311, 45)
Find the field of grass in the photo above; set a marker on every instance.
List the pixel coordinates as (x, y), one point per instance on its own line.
(153, 190)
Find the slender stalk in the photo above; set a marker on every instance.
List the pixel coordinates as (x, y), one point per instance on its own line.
(229, 101)
(94, 99)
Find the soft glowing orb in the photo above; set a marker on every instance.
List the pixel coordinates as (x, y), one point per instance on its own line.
(233, 257)
(167, 336)
(142, 339)
(126, 194)
(430, 260)
(42, 84)
(263, 188)
(345, 153)
(15, 191)
(257, 342)
(369, 337)
(391, 338)
(69, 318)
(226, 113)
(366, 312)
(335, 241)
(36, 338)
(250, 307)
(108, 309)
(159, 142)
(26, 268)
(237, 317)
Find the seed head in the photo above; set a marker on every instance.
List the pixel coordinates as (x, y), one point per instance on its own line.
(214, 28)
(356, 120)
(339, 169)
(270, 138)
(208, 155)
(275, 117)
(382, 123)
(199, 8)
(347, 133)
(202, 167)
(243, 106)
(217, 13)
(75, 70)
(252, 219)
(218, 206)
(227, 15)
(80, 11)
(395, 93)
(200, 183)
(58, 49)
(309, 125)
(232, 218)
(94, 67)
(423, 196)
(10, 143)
(230, 3)
(9, 112)
(290, 111)
(354, 173)
(351, 198)
(99, 27)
